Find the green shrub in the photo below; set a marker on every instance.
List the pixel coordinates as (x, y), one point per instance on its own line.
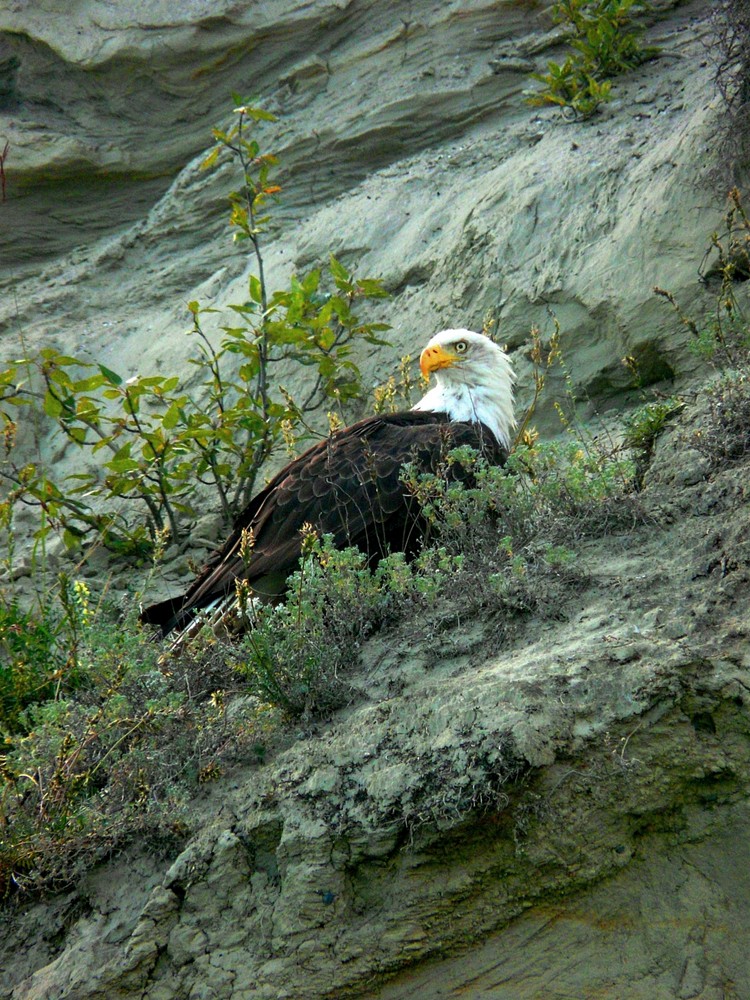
(500, 541)
(548, 491)
(724, 338)
(120, 752)
(297, 655)
(725, 437)
(158, 442)
(605, 41)
(40, 651)
(643, 426)
(30, 662)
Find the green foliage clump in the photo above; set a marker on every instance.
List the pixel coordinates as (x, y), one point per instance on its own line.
(725, 438)
(155, 441)
(643, 426)
(500, 539)
(517, 527)
(85, 765)
(547, 491)
(546, 497)
(605, 41)
(724, 340)
(296, 655)
(29, 661)
(39, 650)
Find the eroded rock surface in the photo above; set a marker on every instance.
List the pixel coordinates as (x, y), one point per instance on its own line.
(406, 149)
(560, 810)
(556, 814)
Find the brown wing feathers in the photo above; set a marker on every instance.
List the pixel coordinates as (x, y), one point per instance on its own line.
(348, 486)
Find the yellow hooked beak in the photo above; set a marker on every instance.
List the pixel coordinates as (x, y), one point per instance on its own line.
(434, 358)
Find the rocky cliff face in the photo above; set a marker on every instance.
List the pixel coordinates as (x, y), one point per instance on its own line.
(406, 149)
(558, 817)
(557, 809)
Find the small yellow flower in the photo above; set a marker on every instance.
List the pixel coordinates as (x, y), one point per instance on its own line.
(82, 594)
(290, 441)
(247, 544)
(242, 590)
(309, 537)
(334, 422)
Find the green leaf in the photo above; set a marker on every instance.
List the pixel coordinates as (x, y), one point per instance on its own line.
(112, 377)
(338, 270)
(282, 333)
(183, 508)
(372, 288)
(124, 451)
(87, 384)
(52, 406)
(60, 377)
(78, 434)
(256, 289)
(171, 417)
(326, 339)
(252, 422)
(243, 308)
(257, 114)
(70, 540)
(149, 381)
(311, 282)
(236, 333)
(211, 158)
(122, 465)
(50, 354)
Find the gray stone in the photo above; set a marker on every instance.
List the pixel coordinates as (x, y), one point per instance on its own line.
(560, 813)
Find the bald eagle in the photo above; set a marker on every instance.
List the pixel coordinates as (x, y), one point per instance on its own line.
(350, 485)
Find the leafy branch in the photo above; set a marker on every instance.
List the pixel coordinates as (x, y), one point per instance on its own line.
(162, 442)
(605, 43)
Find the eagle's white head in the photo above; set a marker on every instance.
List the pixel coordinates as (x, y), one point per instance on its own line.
(474, 381)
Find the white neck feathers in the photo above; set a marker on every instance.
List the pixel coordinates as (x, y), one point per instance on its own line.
(476, 386)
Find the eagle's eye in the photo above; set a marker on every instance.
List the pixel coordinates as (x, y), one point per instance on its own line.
(461, 347)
